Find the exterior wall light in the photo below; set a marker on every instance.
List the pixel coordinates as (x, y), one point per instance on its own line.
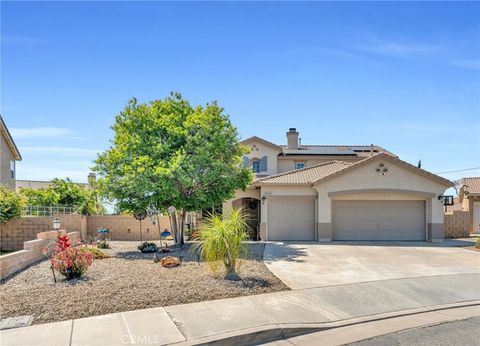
(264, 198)
(56, 224)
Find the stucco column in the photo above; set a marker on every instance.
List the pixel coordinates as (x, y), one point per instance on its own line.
(435, 220)
(324, 218)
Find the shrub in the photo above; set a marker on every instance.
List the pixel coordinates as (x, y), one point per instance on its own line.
(11, 204)
(103, 239)
(96, 252)
(477, 243)
(69, 261)
(147, 247)
(222, 242)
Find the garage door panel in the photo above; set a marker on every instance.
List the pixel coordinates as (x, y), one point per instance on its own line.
(291, 218)
(379, 220)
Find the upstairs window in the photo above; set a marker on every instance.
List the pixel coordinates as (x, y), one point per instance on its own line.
(12, 169)
(256, 166)
(299, 165)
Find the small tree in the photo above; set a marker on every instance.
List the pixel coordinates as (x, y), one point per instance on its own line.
(222, 242)
(65, 192)
(11, 204)
(168, 153)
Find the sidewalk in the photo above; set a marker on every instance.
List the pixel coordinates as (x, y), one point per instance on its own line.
(261, 318)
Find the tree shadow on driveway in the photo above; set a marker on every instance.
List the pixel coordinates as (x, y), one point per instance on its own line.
(279, 251)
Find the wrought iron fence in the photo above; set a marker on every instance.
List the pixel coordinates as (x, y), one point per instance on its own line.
(34, 210)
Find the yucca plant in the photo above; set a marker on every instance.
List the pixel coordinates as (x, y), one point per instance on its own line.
(222, 243)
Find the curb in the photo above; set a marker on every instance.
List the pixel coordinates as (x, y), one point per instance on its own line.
(275, 332)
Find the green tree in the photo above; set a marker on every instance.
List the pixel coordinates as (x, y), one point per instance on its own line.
(168, 153)
(11, 204)
(222, 241)
(64, 192)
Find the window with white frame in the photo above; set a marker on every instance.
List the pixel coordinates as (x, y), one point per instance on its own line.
(12, 169)
(299, 165)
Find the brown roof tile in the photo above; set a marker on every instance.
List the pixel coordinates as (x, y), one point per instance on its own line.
(472, 185)
(306, 175)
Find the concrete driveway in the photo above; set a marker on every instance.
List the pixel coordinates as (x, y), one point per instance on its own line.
(313, 264)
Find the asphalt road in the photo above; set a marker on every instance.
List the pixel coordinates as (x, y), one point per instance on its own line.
(464, 332)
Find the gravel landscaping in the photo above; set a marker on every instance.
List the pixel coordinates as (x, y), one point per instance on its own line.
(129, 280)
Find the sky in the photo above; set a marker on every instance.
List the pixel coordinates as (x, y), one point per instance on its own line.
(405, 76)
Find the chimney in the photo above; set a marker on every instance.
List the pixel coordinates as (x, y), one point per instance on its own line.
(371, 149)
(292, 138)
(92, 177)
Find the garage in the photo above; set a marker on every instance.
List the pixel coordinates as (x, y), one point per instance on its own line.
(379, 220)
(291, 218)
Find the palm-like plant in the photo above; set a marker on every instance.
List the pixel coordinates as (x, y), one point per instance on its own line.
(222, 242)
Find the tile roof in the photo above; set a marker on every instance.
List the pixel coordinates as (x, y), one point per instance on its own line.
(472, 185)
(306, 175)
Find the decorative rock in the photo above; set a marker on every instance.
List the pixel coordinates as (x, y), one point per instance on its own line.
(170, 261)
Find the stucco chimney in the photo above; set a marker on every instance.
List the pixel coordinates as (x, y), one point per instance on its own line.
(292, 138)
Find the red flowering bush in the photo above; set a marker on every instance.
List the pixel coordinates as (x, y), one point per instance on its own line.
(70, 261)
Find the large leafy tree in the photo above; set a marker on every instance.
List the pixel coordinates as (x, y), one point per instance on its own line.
(64, 192)
(169, 153)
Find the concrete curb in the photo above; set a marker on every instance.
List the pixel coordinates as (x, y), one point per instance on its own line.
(275, 332)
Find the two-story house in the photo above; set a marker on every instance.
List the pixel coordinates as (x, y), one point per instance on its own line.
(8, 155)
(338, 192)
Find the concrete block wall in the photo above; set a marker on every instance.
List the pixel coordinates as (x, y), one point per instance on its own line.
(32, 251)
(15, 232)
(457, 224)
(127, 227)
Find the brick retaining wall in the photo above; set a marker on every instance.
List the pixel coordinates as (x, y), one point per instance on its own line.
(15, 232)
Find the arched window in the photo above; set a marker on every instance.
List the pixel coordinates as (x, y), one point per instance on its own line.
(256, 166)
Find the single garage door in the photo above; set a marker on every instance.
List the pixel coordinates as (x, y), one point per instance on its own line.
(291, 218)
(378, 220)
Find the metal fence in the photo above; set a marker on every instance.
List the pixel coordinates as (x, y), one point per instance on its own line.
(34, 210)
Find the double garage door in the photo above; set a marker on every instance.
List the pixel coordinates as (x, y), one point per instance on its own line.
(293, 218)
(378, 220)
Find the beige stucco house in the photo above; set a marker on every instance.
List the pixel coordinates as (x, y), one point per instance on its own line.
(471, 201)
(324, 193)
(9, 154)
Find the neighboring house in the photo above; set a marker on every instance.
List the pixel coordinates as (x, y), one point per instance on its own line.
(323, 193)
(471, 201)
(9, 154)
(42, 184)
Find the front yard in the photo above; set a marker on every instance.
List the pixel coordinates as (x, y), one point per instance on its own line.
(129, 280)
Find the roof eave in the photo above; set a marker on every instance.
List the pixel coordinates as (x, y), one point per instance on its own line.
(10, 141)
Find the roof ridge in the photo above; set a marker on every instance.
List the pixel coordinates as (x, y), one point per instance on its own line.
(300, 170)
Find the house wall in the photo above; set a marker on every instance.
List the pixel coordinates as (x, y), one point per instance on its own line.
(6, 155)
(286, 164)
(398, 183)
(258, 150)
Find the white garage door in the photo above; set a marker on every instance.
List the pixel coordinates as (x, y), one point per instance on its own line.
(291, 218)
(378, 220)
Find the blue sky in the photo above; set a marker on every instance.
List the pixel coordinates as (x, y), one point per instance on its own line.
(405, 76)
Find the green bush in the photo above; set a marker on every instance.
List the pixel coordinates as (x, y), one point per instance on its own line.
(222, 242)
(477, 243)
(96, 252)
(147, 247)
(11, 204)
